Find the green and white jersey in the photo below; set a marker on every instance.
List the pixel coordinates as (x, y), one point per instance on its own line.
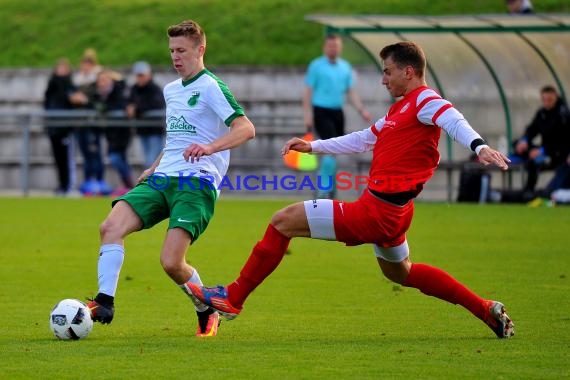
(198, 110)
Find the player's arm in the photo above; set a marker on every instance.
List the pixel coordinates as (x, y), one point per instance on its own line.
(440, 112)
(459, 129)
(355, 142)
(241, 130)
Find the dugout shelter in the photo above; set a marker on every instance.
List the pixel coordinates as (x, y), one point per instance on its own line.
(491, 67)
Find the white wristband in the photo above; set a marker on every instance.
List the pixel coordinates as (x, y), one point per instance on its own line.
(478, 149)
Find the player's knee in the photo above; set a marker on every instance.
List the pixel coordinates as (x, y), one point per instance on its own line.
(291, 221)
(280, 219)
(395, 271)
(109, 229)
(171, 267)
(288, 220)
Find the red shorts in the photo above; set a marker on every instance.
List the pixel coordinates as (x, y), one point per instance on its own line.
(372, 220)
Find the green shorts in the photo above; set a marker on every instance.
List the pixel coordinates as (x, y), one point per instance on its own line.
(188, 204)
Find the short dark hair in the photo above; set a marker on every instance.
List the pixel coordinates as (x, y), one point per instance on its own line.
(548, 88)
(189, 29)
(406, 53)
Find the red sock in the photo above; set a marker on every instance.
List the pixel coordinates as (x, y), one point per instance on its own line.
(438, 283)
(265, 257)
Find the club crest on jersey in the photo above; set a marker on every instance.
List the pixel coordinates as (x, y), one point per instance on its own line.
(194, 98)
(405, 107)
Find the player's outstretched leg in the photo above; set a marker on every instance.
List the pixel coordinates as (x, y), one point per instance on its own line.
(396, 266)
(438, 283)
(264, 258)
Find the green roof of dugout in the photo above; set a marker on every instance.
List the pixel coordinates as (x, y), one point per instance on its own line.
(483, 60)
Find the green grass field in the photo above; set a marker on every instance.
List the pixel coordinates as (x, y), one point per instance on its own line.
(325, 313)
(37, 32)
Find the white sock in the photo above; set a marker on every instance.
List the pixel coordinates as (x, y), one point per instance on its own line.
(195, 279)
(111, 258)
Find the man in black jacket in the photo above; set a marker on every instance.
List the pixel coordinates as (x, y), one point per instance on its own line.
(552, 124)
(57, 97)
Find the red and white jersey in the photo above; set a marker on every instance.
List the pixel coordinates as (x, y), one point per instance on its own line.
(405, 154)
(405, 141)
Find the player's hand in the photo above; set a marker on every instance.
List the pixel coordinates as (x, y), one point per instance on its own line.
(296, 144)
(195, 151)
(145, 174)
(489, 156)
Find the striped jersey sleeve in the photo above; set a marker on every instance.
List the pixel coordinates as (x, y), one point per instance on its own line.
(434, 110)
(355, 142)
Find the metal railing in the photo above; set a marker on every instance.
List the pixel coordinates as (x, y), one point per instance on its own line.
(268, 126)
(25, 122)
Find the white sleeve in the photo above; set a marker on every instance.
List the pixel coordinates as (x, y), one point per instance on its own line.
(355, 142)
(437, 111)
(453, 122)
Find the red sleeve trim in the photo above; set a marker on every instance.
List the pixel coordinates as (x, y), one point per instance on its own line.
(374, 130)
(428, 99)
(440, 111)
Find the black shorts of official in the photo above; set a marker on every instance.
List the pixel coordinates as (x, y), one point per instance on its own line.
(328, 122)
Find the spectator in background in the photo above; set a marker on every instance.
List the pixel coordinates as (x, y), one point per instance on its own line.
(57, 97)
(108, 95)
(146, 95)
(552, 124)
(519, 7)
(88, 69)
(328, 80)
(89, 139)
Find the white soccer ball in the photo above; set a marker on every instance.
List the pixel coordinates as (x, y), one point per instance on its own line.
(70, 319)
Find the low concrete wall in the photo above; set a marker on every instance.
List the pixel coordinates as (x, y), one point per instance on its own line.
(261, 90)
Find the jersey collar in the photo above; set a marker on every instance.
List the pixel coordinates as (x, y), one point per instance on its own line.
(194, 78)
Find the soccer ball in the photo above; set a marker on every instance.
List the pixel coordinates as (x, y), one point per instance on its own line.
(70, 319)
